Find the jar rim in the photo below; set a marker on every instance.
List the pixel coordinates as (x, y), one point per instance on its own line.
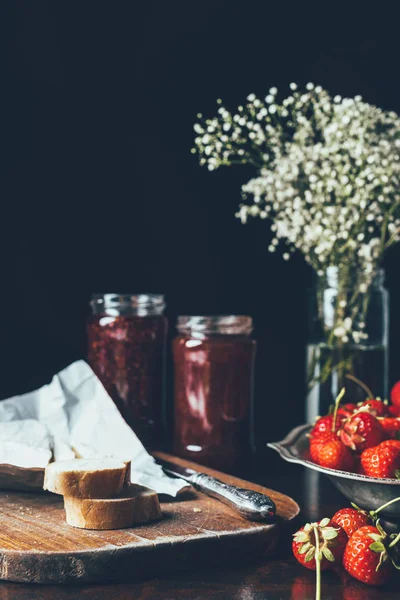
(197, 325)
(137, 303)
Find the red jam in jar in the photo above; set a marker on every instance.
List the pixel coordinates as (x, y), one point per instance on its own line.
(214, 365)
(126, 338)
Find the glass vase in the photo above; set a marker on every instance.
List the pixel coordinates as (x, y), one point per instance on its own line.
(348, 339)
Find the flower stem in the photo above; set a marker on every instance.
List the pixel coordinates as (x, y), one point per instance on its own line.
(317, 565)
(375, 512)
(361, 384)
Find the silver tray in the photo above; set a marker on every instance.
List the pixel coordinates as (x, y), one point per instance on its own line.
(366, 492)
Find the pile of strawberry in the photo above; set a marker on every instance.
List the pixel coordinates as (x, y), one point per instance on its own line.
(360, 438)
(353, 538)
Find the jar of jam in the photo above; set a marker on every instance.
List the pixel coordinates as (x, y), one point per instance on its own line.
(214, 365)
(127, 340)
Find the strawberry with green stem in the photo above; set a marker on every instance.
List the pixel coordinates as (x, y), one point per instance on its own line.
(361, 431)
(326, 449)
(368, 555)
(319, 546)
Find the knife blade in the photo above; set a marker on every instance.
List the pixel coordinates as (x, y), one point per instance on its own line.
(249, 504)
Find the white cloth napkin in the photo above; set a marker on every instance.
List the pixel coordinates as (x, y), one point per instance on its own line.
(79, 415)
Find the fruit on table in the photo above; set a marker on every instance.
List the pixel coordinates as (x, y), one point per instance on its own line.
(353, 538)
(351, 519)
(324, 540)
(381, 461)
(366, 557)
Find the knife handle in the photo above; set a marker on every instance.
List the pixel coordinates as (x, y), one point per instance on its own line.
(251, 505)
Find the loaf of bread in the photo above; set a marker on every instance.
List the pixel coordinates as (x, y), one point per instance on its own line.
(86, 477)
(135, 505)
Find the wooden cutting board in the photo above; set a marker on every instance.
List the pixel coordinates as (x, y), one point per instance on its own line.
(37, 546)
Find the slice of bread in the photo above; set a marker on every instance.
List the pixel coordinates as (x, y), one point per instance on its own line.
(135, 505)
(86, 477)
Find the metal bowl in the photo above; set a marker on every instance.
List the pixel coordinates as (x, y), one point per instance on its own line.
(366, 492)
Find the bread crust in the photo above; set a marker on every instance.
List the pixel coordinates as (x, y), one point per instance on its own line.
(96, 482)
(135, 505)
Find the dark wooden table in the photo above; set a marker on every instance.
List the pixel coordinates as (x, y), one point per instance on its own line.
(278, 578)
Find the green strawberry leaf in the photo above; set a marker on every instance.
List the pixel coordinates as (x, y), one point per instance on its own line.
(301, 536)
(328, 554)
(377, 547)
(355, 506)
(329, 533)
(304, 548)
(397, 473)
(310, 554)
(324, 522)
(375, 536)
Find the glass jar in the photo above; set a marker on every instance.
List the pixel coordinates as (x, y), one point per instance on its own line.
(127, 338)
(214, 365)
(348, 339)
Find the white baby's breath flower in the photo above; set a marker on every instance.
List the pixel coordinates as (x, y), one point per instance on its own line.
(328, 179)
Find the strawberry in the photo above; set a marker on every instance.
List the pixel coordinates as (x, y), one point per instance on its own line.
(351, 519)
(324, 424)
(390, 425)
(333, 454)
(395, 394)
(393, 410)
(331, 541)
(381, 461)
(360, 431)
(318, 441)
(375, 406)
(391, 443)
(366, 557)
(347, 409)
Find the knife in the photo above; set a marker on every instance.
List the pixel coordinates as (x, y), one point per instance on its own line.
(249, 504)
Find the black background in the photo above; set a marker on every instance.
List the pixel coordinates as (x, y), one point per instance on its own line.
(102, 193)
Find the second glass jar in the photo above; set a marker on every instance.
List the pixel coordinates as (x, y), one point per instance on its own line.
(214, 366)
